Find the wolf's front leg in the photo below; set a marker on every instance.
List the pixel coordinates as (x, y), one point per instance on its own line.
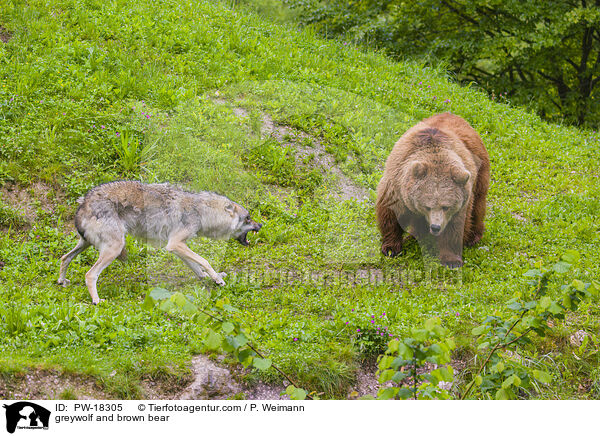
(191, 258)
(200, 273)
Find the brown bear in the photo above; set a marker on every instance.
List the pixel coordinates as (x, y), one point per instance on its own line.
(434, 185)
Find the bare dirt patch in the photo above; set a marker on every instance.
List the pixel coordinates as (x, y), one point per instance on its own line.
(518, 216)
(316, 156)
(366, 381)
(576, 339)
(5, 34)
(27, 200)
(209, 380)
(49, 385)
(214, 381)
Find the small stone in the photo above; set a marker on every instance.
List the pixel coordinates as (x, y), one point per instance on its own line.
(577, 338)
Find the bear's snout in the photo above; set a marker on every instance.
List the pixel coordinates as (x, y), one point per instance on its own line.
(435, 229)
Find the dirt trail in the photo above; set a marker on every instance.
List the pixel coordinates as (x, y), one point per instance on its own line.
(345, 188)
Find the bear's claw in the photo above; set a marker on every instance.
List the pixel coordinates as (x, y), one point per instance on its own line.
(456, 263)
(391, 250)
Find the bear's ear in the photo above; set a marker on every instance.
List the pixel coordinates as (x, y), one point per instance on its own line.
(460, 176)
(418, 169)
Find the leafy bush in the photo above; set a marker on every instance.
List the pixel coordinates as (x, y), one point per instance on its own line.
(404, 361)
(501, 375)
(505, 340)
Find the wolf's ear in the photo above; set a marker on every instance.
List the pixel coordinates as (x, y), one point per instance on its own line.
(230, 209)
(418, 169)
(460, 176)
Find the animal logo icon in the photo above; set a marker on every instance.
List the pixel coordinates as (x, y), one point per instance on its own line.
(25, 414)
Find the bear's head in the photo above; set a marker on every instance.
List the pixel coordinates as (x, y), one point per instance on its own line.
(436, 192)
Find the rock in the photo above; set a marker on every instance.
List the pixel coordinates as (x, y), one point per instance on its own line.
(214, 381)
(211, 382)
(577, 338)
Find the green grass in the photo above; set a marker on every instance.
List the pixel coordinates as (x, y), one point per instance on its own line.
(91, 92)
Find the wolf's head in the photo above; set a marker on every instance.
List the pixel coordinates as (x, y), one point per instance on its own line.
(242, 223)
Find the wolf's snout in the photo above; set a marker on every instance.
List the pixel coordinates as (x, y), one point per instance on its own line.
(243, 238)
(435, 229)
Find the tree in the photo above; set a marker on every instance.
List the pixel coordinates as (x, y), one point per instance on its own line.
(544, 53)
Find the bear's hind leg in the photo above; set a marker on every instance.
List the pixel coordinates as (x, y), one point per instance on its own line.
(475, 233)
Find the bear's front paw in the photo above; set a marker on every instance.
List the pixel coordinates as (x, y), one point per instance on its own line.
(391, 249)
(453, 262)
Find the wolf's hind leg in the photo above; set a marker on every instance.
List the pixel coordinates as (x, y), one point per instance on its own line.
(123, 255)
(82, 244)
(108, 252)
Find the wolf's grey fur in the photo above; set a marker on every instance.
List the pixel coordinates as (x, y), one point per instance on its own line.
(158, 214)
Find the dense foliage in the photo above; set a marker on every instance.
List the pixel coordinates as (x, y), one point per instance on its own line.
(540, 53)
(416, 366)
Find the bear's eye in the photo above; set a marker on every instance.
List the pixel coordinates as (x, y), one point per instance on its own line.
(428, 209)
(445, 208)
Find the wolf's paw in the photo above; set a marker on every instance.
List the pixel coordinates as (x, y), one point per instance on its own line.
(64, 282)
(219, 280)
(98, 301)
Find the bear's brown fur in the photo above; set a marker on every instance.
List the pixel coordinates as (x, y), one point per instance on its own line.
(435, 182)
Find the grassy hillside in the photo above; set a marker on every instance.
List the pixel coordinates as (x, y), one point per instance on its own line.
(296, 128)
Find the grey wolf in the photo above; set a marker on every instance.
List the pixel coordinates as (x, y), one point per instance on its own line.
(156, 213)
(435, 184)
